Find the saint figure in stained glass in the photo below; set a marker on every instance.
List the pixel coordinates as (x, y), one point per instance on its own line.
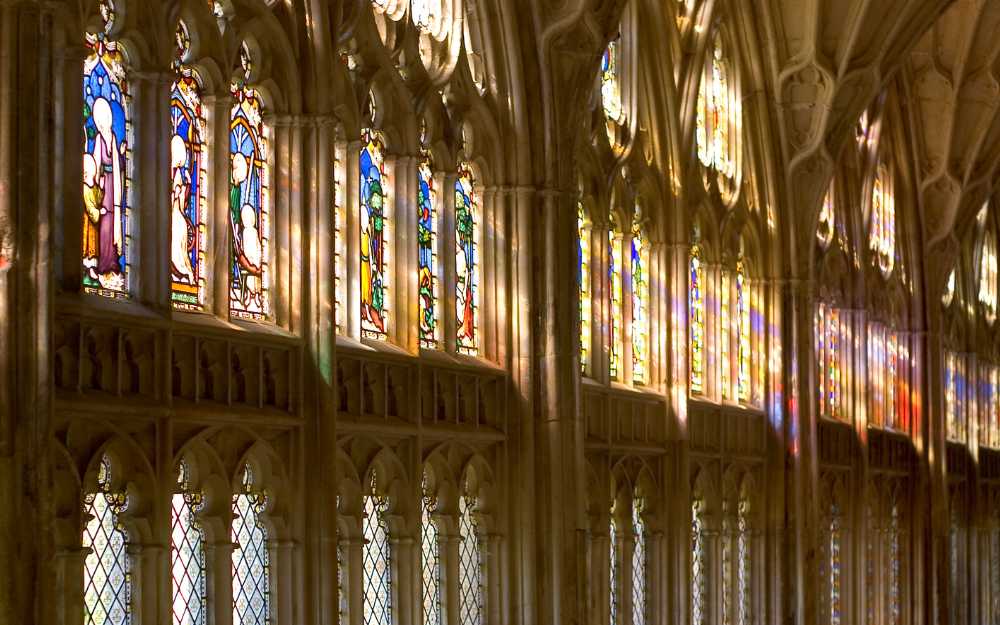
(187, 182)
(107, 163)
(467, 225)
(640, 305)
(374, 308)
(427, 258)
(249, 200)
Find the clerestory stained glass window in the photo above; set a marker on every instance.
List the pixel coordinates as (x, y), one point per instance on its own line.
(639, 563)
(427, 255)
(640, 305)
(187, 552)
(249, 199)
(827, 219)
(107, 582)
(470, 564)
(882, 235)
(251, 561)
(373, 221)
(696, 319)
(430, 557)
(988, 275)
(377, 557)
(583, 284)
(717, 115)
(467, 266)
(611, 87)
(188, 203)
(617, 295)
(107, 162)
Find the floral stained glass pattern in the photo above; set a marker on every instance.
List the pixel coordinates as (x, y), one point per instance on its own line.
(639, 607)
(696, 319)
(377, 581)
(187, 553)
(640, 306)
(617, 294)
(249, 200)
(467, 265)
(430, 558)
(107, 582)
(187, 182)
(107, 163)
(427, 257)
(373, 225)
(251, 561)
(583, 284)
(470, 565)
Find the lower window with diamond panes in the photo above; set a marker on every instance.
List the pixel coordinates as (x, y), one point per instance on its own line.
(107, 582)
(251, 561)
(376, 556)
(187, 553)
(470, 564)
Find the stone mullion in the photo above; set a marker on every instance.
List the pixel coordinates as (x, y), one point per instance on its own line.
(451, 579)
(352, 239)
(771, 584)
(405, 287)
(220, 239)
(219, 565)
(68, 575)
(931, 506)
(447, 315)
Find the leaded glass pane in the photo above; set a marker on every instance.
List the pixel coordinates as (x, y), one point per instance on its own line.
(470, 572)
(744, 563)
(187, 554)
(373, 227)
(617, 294)
(427, 256)
(583, 284)
(377, 591)
(836, 580)
(430, 560)
(251, 562)
(699, 570)
(640, 306)
(638, 564)
(467, 264)
(613, 571)
(107, 584)
(696, 319)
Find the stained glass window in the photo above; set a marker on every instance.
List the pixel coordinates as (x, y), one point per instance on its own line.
(107, 163)
(744, 563)
(611, 87)
(427, 266)
(467, 266)
(339, 243)
(639, 608)
(249, 200)
(187, 182)
(470, 565)
(377, 582)
(744, 355)
(426, 14)
(640, 305)
(717, 114)
(373, 226)
(955, 396)
(988, 276)
(883, 221)
(824, 231)
(187, 553)
(834, 550)
(949, 290)
(251, 561)
(613, 601)
(828, 335)
(617, 301)
(107, 582)
(430, 557)
(699, 564)
(696, 317)
(583, 284)
(726, 334)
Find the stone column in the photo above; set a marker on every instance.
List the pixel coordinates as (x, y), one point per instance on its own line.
(447, 249)
(352, 235)
(404, 287)
(219, 246)
(219, 565)
(285, 584)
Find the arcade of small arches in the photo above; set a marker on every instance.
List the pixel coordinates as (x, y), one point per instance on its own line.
(489, 312)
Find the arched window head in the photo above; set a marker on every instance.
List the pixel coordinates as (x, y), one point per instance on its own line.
(251, 560)
(827, 219)
(988, 270)
(188, 178)
(249, 199)
(427, 247)
(639, 561)
(611, 81)
(107, 162)
(640, 302)
(696, 319)
(374, 224)
(617, 295)
(468, 226)
(718, 118)
(470, 572)
(107, 583)
(187, 552)
(584, 284)
(430, 556)
(949, 290)
(882, 233)
(376, 555)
